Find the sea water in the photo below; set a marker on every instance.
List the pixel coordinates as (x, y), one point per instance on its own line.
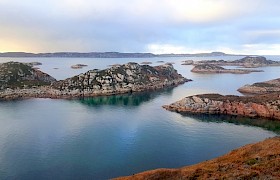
(111, 136)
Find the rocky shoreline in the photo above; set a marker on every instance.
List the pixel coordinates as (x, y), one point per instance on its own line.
(253, 161)
(265, 106)
(262, 87)
(246, 62)
(211, 68)
(119, 79)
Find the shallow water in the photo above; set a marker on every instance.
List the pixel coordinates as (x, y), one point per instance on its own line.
(105, 137)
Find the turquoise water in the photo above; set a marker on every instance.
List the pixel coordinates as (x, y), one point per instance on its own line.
(105, 137)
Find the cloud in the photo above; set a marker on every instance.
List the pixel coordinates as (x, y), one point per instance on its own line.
(136, 26)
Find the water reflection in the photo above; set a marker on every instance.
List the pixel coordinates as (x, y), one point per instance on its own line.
(270, 125)
(131, 99)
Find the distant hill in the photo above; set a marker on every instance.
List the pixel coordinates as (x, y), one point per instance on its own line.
(106, 55)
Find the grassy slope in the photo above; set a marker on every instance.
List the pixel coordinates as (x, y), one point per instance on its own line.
(260, 161)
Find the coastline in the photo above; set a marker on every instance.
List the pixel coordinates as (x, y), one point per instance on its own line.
(121, 79)
(253, 161)
(265, 105)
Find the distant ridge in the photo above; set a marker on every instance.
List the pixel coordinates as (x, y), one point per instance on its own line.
(106, 55)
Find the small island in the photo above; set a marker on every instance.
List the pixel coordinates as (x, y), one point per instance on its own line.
(146, 62)
(78, 66)
(262, 87)
(20, 81)
(264, 106)
(246, 62)
(187, 62)
(126, 78)
(212, 68)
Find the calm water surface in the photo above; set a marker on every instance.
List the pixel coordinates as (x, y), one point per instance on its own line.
(105, 137)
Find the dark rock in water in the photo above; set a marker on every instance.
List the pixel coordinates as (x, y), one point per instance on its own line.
(266, 105)
(146, 62)
(130, 77)
(78, 66)
(211, 68)
(262, 87)
(16, 75)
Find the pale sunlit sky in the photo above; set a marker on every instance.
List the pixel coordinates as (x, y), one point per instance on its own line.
(157, 26)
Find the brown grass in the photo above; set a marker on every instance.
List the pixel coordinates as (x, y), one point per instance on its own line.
(253, 161)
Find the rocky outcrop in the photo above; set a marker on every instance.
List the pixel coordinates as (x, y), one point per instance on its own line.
(253, 161)
(25, 93)
(266, 106)
(247, 62)
(187, 62)
(78, 66)
(20, 81)
(211, 68)
(130, 77)
(15, 75)
(262, 87)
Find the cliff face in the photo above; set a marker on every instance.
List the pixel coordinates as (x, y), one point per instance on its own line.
(15, 75)
(267, 106)
(262, 87)
(130, 77)
(212, 68)
(253, 161)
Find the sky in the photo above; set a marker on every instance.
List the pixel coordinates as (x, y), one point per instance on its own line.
(157, 26)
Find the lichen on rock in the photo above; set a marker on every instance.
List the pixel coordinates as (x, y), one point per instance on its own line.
(130, 77)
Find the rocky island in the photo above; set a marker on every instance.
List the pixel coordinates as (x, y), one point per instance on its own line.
(253, 161)
(78, 66)
(212, 68)
(15, 75)
(130, 77)
(19, 80)
(265, 106)
(187, 62)
(262, 87)
(247, 62)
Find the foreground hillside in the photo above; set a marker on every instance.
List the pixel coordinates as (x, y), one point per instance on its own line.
(253, 161)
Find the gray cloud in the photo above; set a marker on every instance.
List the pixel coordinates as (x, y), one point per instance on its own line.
(138, 26)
